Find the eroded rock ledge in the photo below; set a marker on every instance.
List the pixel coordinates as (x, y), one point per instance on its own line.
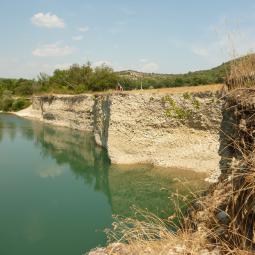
(169, 130)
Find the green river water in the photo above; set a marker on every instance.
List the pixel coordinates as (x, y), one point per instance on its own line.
(58, 190)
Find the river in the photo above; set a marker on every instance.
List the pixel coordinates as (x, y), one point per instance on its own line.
(58, 190)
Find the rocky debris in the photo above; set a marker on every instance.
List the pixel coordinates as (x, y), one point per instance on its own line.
(114, 248)
(178, 248)
(214, 175)
(223, 217)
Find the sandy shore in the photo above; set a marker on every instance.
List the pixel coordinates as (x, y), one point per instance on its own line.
(29, 113)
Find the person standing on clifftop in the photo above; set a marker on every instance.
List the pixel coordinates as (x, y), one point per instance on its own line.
(119, 87)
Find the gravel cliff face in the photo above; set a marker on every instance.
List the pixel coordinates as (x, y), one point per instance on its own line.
(64, 110)
(237, 134)
(169, 130)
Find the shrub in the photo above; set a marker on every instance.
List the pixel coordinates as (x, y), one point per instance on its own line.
(20, 104)
(24, 87)
(175, 111)
(187, 96)
(7, 104)
(196, 104)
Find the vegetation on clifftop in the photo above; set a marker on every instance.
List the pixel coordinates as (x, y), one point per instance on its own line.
(82, 78)
(14, 93)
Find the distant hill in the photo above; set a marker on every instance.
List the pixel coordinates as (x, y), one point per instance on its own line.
(134, 79)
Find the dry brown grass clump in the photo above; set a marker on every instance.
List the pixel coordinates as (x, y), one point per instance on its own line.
(242, 73)
(151, 235)
(227, 214)
(229, 208)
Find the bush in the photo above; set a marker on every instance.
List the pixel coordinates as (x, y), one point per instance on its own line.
(24, 87)
(7, 104)
(20, 104)
(187, 96)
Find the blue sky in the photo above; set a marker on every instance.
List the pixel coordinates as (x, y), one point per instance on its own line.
(167, 36)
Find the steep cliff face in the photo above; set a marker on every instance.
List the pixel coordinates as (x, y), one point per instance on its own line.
(166, 130)
(169, 130)
(68, 111)
(237, 134)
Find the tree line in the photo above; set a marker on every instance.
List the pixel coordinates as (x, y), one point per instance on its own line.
(84, 78)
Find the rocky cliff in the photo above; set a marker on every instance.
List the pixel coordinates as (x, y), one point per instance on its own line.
(64, 110)
(169, 130)
(237, 129)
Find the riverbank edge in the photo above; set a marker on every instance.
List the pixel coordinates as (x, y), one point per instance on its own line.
(118, 125)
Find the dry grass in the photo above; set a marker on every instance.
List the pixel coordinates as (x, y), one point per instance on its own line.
(151, 235)
(242, 72)
(189, 89)
(146, 234)
(229, 208)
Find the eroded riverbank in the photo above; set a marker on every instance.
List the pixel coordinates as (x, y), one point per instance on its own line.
(167, 130)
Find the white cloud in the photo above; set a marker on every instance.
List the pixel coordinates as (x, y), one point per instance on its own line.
(101, 62)
(77, 38)
(83, 29)
(47, 20)
(53, 50)
(150, 67)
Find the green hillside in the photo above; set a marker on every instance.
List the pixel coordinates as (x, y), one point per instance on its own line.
(133, 79)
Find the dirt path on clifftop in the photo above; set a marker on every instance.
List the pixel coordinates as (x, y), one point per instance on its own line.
(173, 90)
(189, 89)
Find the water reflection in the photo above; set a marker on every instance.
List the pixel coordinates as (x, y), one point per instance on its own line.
(76, 149)
(68, 147)
(51, 171)
(57, 189)
(44, 210)
(124, 186)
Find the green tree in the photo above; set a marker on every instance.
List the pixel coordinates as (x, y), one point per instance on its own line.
(103, 78)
